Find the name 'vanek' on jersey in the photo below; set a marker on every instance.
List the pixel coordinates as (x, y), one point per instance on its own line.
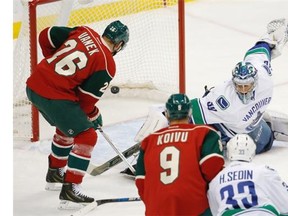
(88, 43)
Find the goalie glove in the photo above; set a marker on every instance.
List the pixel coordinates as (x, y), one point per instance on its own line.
(276, 36)
(96, 118)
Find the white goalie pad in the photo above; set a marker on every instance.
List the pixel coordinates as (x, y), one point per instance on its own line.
(154, 121)
(279, 124)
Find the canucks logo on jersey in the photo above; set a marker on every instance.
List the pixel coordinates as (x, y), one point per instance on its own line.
(222, 102)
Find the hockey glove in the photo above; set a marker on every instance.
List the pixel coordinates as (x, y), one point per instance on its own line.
(276, 36)
(96, 118)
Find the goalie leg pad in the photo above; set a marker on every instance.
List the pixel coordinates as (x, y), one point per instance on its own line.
(281, 137)
(155, 120)
(279, 124)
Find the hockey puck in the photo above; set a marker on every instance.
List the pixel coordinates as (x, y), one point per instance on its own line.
(115, 89)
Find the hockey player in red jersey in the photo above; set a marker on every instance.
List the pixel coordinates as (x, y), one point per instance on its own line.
(176, 163)
(77, 68)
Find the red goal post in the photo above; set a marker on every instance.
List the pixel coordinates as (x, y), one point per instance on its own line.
(153, 61)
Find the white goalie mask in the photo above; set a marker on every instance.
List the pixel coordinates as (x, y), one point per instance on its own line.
(244, 78)
(241, 147)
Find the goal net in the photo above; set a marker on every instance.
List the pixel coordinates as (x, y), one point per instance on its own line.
(149, 65)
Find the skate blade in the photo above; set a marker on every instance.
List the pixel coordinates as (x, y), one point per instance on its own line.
(53, 186)
(129, 176)
(69, 205)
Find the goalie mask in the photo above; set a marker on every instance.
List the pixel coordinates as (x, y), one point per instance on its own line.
(241, 147)
(244, 78)
(178, 107)
(118, 34)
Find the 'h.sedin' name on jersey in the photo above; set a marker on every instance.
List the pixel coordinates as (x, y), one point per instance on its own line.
(236, 175)
(88, 43)
(256, 107)
(172, 137)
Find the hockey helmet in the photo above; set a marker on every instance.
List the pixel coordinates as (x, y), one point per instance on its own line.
(241, 147)
(244, 78)
(117, 32)
(178, 106)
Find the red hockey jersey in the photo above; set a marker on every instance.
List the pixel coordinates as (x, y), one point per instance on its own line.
(77, 66)
(174, 168)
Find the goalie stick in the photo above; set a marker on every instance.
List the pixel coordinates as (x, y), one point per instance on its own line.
(97, 170)
(89, 207)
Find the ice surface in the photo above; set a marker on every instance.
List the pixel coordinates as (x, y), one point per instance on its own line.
(218, 33)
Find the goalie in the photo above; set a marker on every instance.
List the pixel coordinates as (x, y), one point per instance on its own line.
(240, 104)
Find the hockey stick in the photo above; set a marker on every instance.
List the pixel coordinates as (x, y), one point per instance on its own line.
(89, 207)
(97, 170)
(116, 150)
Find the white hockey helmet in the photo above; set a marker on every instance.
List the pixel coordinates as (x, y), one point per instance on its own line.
(241, 147)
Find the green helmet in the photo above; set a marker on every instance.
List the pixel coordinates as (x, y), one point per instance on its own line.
(178, 106)
(117, 32)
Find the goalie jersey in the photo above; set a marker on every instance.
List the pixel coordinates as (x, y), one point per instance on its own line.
(250, 187)
(222, 104)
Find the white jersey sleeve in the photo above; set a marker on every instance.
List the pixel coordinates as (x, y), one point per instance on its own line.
(243, 185)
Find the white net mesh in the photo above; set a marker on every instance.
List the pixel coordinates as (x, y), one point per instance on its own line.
(149, 63)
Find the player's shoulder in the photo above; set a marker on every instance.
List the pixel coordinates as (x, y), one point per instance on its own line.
(269, 168)
(206, 129)
(189, 127)
(264, 168)
(221, 97)
(222, 88)
(87, 28)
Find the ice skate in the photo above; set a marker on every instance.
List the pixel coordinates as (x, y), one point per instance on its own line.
(72, 198)
(128, 173)
(54, 179)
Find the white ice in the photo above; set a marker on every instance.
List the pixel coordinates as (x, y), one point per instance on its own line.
(218, 33)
